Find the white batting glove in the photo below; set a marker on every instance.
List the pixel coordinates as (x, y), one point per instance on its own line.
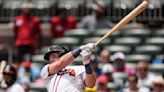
(86, 56)
(90, 46)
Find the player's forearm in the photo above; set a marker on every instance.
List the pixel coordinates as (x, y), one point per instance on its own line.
(61, 63)
(90, 80)
(90, 76)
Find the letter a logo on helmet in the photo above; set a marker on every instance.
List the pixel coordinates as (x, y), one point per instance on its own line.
(56, 48)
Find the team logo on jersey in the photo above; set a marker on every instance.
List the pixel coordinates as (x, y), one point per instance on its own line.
(72, 72)
(64, 71)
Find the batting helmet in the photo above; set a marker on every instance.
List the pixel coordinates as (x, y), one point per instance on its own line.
(57, 49)
(10, 70)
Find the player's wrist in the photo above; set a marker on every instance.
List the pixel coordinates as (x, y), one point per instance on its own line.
(76, 52)
(88, 68)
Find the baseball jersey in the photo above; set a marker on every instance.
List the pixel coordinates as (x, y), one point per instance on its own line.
(58, 28)
(26, 30)
(70, 79)
(15, 88)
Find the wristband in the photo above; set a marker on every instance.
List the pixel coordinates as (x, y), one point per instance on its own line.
(88, 68)
(76, 52)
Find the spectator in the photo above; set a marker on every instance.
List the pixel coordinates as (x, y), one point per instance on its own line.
(158, 84)
(97, 20)
(104, 58)
(102, 84)
(10, 77)
(61, 23)
(120, 64)
(107, 70)
(144, 77)
(27, 30)
(132, 85)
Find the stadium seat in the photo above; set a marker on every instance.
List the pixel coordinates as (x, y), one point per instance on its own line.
(117, 48)
(70, 3)
(124, 3)
(102, 32)
(89, 3)
(134, 58)
(137, 32)
(131, 64)
(130, 41)
(37, 88)
(155, 41)
(81, 33)
(119, 75)
(157, 68)
(113, 86)
(38, 59)
(67, 41)
(95, 39)
(133, 25)
(159, 33)
(148, 49)
(44, 49)
(77, 61)
(43, 3)
(12, 4)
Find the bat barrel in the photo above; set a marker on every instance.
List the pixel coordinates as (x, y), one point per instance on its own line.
(125, 20)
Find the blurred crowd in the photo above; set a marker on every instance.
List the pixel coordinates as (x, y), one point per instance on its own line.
(112, 70)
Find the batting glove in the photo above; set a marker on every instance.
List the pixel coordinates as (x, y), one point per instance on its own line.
(90, 46)
(86, 56)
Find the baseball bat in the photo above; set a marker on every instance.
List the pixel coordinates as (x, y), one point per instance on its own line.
(125, 20)
(2, 65)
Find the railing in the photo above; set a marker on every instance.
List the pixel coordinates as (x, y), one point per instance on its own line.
(116, 9)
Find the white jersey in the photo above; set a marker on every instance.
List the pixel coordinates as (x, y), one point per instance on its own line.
(15, 88)
(70, 79)
(147, 81)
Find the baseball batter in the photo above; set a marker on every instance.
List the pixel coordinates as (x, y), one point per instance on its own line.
(59, 77)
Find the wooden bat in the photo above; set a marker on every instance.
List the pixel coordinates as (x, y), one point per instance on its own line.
(125, 20)
(2, 65)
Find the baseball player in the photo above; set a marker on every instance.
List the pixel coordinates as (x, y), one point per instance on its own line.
(59, 77)
(10, 75)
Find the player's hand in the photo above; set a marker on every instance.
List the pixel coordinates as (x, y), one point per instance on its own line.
(86, 56)
(90, 46)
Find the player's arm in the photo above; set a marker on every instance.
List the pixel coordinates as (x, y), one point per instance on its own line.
(90, 74)
(68, 58)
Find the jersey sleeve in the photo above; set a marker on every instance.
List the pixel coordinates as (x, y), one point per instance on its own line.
(44, 72)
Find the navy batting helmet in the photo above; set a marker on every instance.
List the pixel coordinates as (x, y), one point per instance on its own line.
(56, 48)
